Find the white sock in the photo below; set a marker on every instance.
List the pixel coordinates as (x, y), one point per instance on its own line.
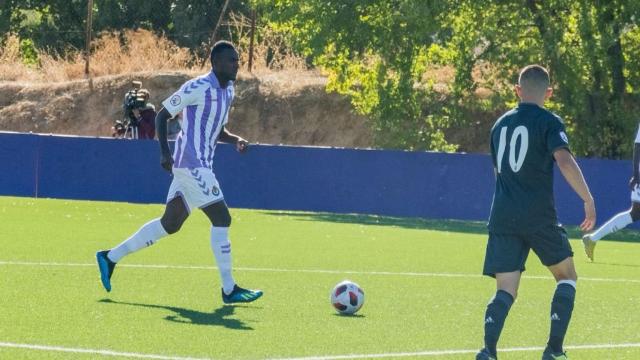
(146, 236)
(222, 250)
(568, 282)
(616, 223)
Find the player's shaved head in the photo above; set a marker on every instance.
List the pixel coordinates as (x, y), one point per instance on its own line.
(218, 48)
(534, 80)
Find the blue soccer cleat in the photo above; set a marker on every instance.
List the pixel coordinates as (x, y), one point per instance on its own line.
(240, 295)
(485, 355)
(106, 267)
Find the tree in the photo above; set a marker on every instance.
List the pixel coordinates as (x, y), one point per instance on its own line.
(193, 21)
(582, 44)
(132, 14)
(376, 52)
(60, 24)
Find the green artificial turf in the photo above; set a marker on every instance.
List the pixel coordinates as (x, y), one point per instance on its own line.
(424, 294)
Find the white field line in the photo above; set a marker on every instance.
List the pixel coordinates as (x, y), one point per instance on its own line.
(312, 271)
(94, 351)
(327, 357)
(457, 352)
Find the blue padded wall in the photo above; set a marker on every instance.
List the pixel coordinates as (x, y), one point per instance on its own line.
(394, 183)
(18, 164)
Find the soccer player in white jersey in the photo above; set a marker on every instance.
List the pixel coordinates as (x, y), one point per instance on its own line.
(204, 102)
(624, 218)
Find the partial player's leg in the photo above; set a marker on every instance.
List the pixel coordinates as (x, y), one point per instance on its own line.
(551, 244)
(497, 310)
(561, 307)
(175, 214)
(220, 217)
(616, 223)
(505, 259)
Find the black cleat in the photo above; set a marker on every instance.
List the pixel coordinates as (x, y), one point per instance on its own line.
(550, 355)
(485, 355)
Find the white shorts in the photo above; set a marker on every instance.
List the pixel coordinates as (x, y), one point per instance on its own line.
(635, 194)
(198, 187)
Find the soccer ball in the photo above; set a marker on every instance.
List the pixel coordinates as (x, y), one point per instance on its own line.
(347, 297)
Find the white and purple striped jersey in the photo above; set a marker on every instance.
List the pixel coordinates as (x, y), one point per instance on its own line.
(205, 110)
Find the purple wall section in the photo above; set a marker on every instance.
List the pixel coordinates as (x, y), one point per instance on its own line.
(393, 183)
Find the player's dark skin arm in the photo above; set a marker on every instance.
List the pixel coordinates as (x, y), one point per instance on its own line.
(166, 161)
(241, 144)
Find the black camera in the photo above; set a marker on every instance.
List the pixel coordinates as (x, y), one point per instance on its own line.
(134, 98)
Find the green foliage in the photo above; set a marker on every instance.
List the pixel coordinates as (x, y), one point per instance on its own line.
(131, 14)
(377, 52)
(60, 24)
(374, 52)
(28, 52)
(586, 45)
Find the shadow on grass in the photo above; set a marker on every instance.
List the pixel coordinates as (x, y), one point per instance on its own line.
(474, 227)
(459, 226)
(349, 316)
(219, 317)
(616, 264)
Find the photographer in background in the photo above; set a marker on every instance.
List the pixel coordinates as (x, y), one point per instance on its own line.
(145, 116)
(139, 115)
(128, 127)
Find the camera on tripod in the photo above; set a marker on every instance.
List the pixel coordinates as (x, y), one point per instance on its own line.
(136, 98)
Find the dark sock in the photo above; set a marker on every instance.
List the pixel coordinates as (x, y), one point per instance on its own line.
(494, 318)
(561, 309)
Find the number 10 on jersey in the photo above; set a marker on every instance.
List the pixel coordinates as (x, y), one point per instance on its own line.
(515, 161)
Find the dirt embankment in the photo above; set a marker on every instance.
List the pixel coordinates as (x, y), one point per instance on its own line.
(277, 108)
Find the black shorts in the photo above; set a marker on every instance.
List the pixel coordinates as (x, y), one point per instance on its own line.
(508, 252)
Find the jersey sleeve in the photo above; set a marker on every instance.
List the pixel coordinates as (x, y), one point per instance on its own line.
(180, 99)
(638, 136)
(556, 136)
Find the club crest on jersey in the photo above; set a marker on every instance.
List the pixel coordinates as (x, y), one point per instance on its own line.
(215, 191)
(175, 100)
(564, 137)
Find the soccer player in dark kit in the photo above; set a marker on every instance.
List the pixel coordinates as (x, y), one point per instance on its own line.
(525, 143)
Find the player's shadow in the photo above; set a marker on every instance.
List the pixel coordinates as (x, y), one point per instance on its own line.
(458, 226)
(219, 317)
(624, 235)
(474, 227)
(617, 264)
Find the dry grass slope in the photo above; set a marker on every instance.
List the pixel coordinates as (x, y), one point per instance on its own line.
(279, 102)
(115, 53)
(141, 51)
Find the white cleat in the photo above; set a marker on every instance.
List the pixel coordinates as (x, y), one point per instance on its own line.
(589, 246)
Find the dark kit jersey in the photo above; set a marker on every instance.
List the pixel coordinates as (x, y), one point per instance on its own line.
(523, 141)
